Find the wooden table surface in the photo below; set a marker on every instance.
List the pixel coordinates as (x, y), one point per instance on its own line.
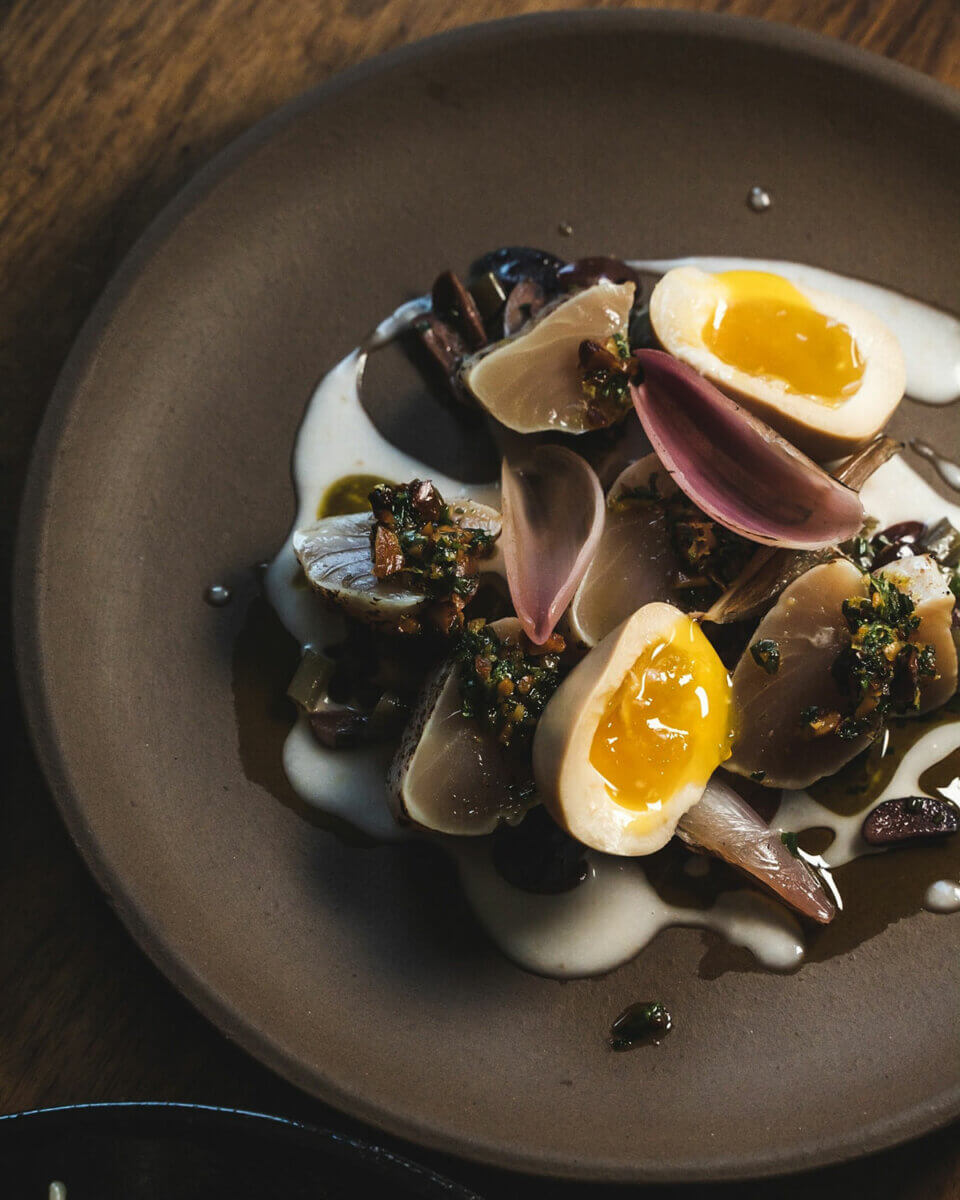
(107, 107)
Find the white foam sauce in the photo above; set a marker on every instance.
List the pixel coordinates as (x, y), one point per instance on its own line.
(928, 336)
(610, 917)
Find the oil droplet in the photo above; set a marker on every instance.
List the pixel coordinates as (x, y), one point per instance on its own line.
(565, 229)
(217, 595)
(349, 494)
(758, 199)
(642, 1024)
(942, 897)
(946, 468)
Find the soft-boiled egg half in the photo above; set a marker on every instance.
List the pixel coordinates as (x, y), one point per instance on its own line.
(630, 738)
(824, 372)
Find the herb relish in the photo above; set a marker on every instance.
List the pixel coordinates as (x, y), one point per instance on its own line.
(415, 536)
(506, 685)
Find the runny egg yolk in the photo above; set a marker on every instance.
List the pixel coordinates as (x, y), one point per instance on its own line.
(762, 325)
(667, 724)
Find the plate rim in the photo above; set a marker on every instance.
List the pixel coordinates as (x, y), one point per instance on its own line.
(215, 1118)
(924, 1117)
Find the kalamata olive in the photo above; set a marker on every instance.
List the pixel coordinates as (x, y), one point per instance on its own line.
(338, 728)
(908, 818)
(511, 264)
(907, 532)
(640, 330)
(587, 271)
(437, 349)
(442, 343)
(454, 305)
(537, 856)
(888, 554)
(489, 295)
(525, 301)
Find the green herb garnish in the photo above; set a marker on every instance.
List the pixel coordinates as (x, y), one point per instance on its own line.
(879, 673)
(415, 536)
(606, 372)
(766, 654)
(710, 555)
(506, 685)
(791, 842)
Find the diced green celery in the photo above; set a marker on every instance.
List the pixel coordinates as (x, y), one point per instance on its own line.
(308, 687)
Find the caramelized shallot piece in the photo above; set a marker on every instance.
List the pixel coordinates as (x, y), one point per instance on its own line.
(724, 825)
(532, 382)
(553, 513)
(450, 774)
(635, 562)
(735, 467)
(797, 722)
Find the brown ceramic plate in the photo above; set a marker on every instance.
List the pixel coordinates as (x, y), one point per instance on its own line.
(163, 466)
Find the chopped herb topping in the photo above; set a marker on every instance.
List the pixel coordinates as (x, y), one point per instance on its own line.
(607, 370)
(766, 654)
(415, 536)
(879, 673)
(711, 556)
(506, 686)
(791, 842)
(820, 720)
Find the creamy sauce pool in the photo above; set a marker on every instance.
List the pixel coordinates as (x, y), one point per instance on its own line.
(616, 911)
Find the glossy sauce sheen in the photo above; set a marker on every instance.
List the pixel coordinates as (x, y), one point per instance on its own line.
(764, 326)
(667, 725)
(616, 911)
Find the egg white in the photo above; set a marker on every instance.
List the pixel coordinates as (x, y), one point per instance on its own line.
(685, 299)
(571, 788)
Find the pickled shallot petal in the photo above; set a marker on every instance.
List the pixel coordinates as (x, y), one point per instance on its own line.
(725, 825)
(771, 570)
(735, 467)
(553, 512)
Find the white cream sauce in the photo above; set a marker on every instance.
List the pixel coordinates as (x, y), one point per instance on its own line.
(616, 911)
(893, 493)
(800, 811)
(946, 468)
(611, 916)
(928, 336)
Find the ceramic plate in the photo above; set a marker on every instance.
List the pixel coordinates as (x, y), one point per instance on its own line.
(145, 1151)
(163, 466)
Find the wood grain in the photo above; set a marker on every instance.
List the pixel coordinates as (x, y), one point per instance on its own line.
(106, 108)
